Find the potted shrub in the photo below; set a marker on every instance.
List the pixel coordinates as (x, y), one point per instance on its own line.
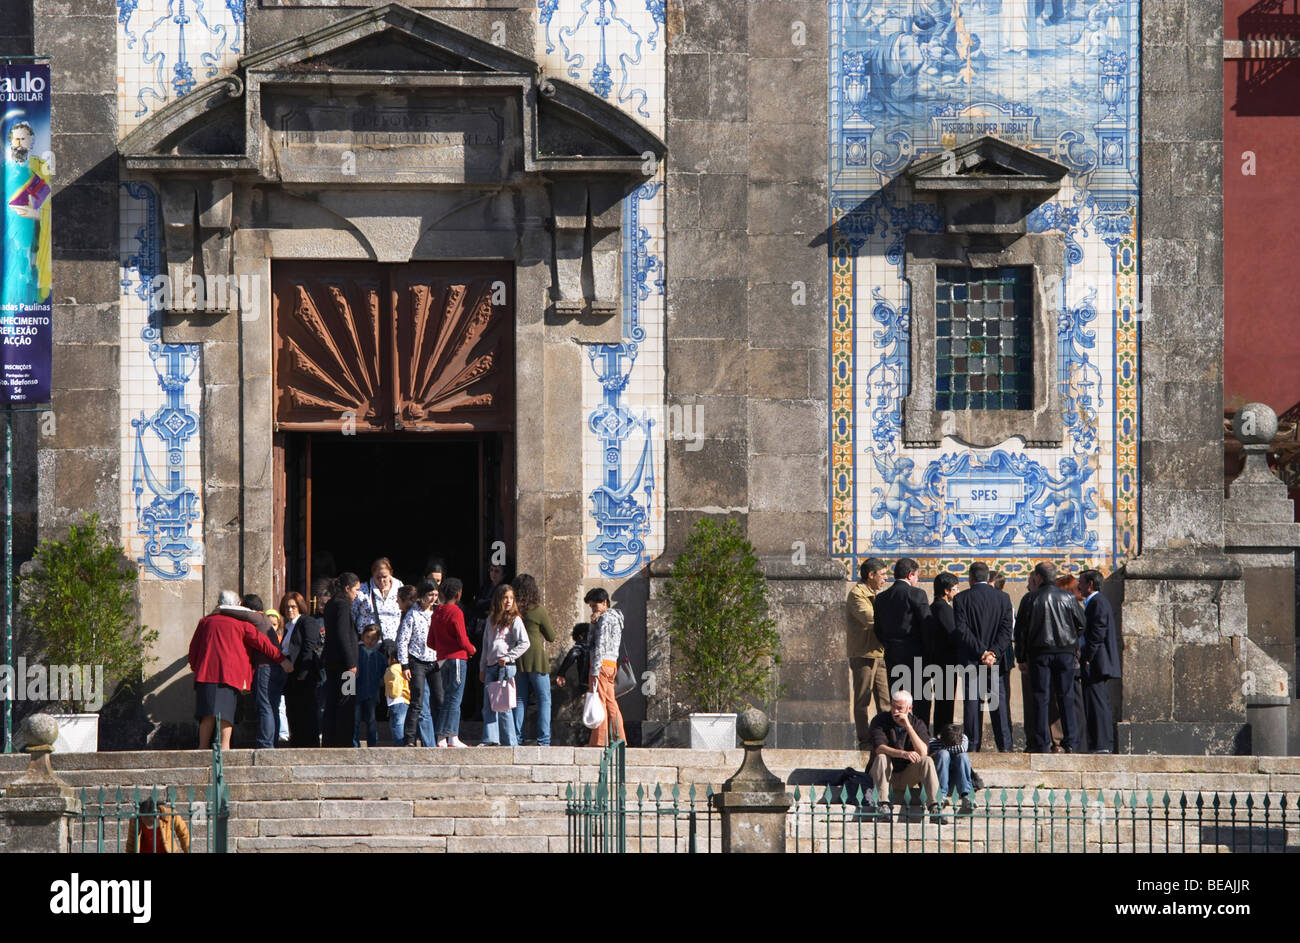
(78, 598)
(725, 644)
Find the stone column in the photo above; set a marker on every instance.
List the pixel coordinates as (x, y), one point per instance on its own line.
(748, 334)
(1184, 609)
(753, 803)
(38, 808)
(1261, 534)
(79, 463)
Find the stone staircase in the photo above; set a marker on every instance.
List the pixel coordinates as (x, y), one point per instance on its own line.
(513, 798)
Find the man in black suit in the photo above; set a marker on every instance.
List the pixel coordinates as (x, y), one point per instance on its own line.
(941, 648)
(341, 663)
(1098, 662)
(983, 621)
(902, 612)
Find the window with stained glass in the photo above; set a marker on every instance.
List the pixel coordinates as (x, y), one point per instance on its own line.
(984, 338)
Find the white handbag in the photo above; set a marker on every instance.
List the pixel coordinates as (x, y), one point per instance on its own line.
(593, 711)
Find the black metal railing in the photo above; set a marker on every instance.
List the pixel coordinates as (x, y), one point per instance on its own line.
(681, 819)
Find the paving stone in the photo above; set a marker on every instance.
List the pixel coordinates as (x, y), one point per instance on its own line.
(557, 774)
(1108, 781)
(309, 773)
(274, 809)
(529, 789)
(343, 809)
(541, 806)
(353, 845)
(1219, 782)
(279, 792)
(545, 756)
(345, 828)
(147, 759)
(537, 844)
(1284, 782)
(456, 808)
(538, 825)
(441, 789)
(498, 774)
(635, 774)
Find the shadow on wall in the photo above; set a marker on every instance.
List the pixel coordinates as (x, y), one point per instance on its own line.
(1269, 87)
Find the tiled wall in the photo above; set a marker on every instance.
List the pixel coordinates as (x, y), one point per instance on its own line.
(615, 49)
(165, 49)
(915, 77)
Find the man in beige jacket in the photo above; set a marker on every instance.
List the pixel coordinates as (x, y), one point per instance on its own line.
(865, 652)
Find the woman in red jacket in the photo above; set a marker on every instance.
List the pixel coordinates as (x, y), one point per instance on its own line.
(219, 658)
(447, 637)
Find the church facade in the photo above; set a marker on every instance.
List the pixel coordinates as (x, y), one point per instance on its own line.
(547, 282)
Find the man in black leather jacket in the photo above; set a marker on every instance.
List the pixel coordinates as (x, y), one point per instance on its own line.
(1049, 623)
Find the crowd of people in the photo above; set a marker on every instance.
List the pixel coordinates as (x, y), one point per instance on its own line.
(902, 645)
(327, 673)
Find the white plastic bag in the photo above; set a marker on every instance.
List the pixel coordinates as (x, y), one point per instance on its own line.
(593, 711)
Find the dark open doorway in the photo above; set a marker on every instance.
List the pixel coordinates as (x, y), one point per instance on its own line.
(352, 499)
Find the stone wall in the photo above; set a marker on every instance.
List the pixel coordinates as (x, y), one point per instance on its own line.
(747, 332)
(1184, 610)
(79, 465)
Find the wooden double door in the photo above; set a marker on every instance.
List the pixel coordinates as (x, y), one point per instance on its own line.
(394, 409)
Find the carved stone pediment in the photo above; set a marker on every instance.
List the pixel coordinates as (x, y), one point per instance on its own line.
(390, 80)
(393, 98)
(987, 185)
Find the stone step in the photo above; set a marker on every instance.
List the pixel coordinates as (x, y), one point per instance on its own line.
(353, 827)
(781, 762)
(320, 843)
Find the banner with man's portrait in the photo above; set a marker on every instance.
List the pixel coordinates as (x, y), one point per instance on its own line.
(26, 331)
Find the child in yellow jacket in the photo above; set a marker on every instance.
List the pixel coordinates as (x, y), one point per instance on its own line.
(398, 691)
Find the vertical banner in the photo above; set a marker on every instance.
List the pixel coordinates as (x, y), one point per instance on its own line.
(25, 302)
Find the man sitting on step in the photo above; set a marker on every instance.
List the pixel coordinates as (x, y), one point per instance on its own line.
(900, 755)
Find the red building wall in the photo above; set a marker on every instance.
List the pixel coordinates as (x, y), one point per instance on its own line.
(1261, 245)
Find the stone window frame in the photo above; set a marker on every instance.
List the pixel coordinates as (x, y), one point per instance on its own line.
(1040, 426)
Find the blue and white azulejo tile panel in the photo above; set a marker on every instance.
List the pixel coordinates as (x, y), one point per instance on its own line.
(911, 78)
(167, 48)
(615, 49)
(162, 511)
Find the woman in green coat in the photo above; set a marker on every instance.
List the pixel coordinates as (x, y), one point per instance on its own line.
(534, 670)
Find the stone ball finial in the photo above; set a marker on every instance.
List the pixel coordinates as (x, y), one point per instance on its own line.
(40, 730)
(753, 725)
(1254, 424)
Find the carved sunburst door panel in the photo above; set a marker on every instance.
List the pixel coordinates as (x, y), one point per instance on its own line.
(424, 346)
(455, 330)
(331, 346)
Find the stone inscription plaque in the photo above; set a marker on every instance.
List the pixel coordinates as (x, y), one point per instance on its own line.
(390, 142)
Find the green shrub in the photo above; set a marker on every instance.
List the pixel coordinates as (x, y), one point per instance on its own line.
(725, 644)
(80, 603)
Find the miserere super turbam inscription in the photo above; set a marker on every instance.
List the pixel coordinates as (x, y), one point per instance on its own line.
(425, 143)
